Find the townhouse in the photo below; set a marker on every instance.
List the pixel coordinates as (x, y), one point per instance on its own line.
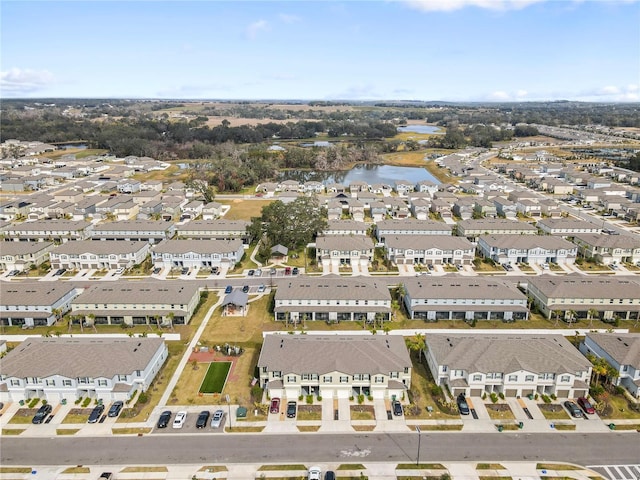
(346, 227)
(429, 249)
(87, 254)
(527, 249)
(463, 298)
(56, 369)
(197, 253)
(216, 230)
(58, 231)
(344, 250)
(30, 304)
(512, 365)
(473, 228)
(23, 256)
(410, 226)
(505, 208)
(609, 249)
(574, 296)
(332, 298)
(622, 351)
(137, 303)
(335, 366)
(134, 230)
(566, 227)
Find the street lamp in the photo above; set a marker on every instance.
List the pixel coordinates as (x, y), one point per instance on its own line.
(418, 455)
(228, 399)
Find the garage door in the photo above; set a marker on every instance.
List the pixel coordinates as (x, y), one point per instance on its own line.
(527, 392)
(510, 392)
(562, 394)
(476, 392)
(457, 391)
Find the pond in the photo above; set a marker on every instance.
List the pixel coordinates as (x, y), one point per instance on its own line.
(368, 173)
(420, 129)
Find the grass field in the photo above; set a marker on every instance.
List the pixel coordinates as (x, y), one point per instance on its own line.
(244, 209)
(215, 378)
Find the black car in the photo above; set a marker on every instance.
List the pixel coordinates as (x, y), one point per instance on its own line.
(251, 273)
(106, 476)
(397, 407)
(203, 418)
(463, 406)
(574, 409)
(114, 411)
(157, 270)
(41, 414)
(329, 475)
(163, 421)
(96, 413)
(295, 271)
(291, 409)
(184, 271)
(245, 289)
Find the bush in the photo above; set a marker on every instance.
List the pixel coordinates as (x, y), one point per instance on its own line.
(351, 398)
(484, 396)
(618, 390)
(494, 397)
(501, 395)
(360, 399)
(142, 398)
(370, 398)
(256, 393)
(86, 402)
(545, 398)
(33, 402)
(435, 390)
(77, 402)
(300, 397)
(553, 397)
(319, 398)
(309, 399)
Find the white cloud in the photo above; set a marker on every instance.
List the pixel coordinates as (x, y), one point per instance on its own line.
(257, 27)
(499, 96)
(356, 92)
(521, 94)
(287, 18)
(18, 81)
(451, 5)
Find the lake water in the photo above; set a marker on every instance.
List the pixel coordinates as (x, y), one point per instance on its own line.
(367, 173)
(420, 129)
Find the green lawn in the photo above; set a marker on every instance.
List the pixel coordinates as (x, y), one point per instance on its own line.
(215, 377)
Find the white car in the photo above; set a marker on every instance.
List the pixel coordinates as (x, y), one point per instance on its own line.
(314, 473)
(120, 271)
(216, 420)
(261, 288)
(180, 418)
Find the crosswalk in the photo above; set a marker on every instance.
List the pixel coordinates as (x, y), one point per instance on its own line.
(618, 472)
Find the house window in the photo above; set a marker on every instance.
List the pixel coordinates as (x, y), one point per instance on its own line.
(394, 375)
(291, 379)
(513, 378)
(138, 373)
(102, 383)
(477, 377)
(379, 380)
(51, 383)
(83, 380)
(276, 374)
(406, 369)
(529, 378)
(565, 378)
(327, 379)
(15, 383)
(344, 379)
(122, 378)
(66, 383)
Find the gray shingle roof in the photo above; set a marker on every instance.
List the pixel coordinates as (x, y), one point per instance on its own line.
(344, 242)
(624, 348)
(548, 242)
(425, 242)
(506, 353)
(198, 246)
(128, 293)
(332, 287)
(461, 287)
(341, 353)
(33, 293)
(609, 241)
(79, 357)
(99, 248)
(580, 286)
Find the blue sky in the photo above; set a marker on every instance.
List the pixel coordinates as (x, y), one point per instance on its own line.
(450, 50)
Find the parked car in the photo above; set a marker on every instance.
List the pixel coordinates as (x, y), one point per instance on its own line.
(163, 421)
(96, 413)
(574, 410)
(228, 290)
(586, 406)
(272, 271)
(275, 405)
(216, 421)
(397, 407)
(245, 289)
(41, 414)
(157, 270)
(429, 266)
(119, 271)
(295, 271)
(291, 409)
(180, 419)
(287, 271)
(184, 271)
(329, 475)
(251, 273)
(261, 288)
(106, 476)
(258, 273)
(463, 406)
(203, 419)
(114, 411)
(314, 473)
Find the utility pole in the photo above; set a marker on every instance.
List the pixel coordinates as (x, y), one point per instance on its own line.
(418, 455)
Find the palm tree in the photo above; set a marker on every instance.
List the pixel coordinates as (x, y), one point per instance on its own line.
(571, 316)
(57, 312)
(92, 317)
(592, 312)
(171, 317)
(557, 314)
(417, 343)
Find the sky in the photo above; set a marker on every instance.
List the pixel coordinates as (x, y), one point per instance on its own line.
(430, 50)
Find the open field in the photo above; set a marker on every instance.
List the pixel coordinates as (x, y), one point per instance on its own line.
(244, 209)
(215, 378)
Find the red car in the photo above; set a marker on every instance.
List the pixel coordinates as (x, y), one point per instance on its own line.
(586, 406)
(275, 405)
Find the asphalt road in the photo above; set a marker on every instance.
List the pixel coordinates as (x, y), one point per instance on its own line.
(585, 449)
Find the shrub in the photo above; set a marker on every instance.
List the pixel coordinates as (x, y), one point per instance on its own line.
(309, 399)
(33, 402)
(536, 396)
(300, 398)
(618, 390)
(501, 395)
(553, 397)
(545, 398)
(360, 399)
(370, 398)
(494, 397)
(484, 396)
(435, 390)
(319, 398)
(86, 402)
(256, 393)
(78, 401)
(351, 398)
(142, 398)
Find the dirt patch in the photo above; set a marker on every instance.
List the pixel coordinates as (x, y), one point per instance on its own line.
(550, 407)
(498, 407)
(363, 412)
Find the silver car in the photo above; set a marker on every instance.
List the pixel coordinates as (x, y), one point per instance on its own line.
(216, 420)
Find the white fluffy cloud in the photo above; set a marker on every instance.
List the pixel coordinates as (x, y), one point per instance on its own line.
(451, 5)
(256, 27)
(287, 18)
(18, 81)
